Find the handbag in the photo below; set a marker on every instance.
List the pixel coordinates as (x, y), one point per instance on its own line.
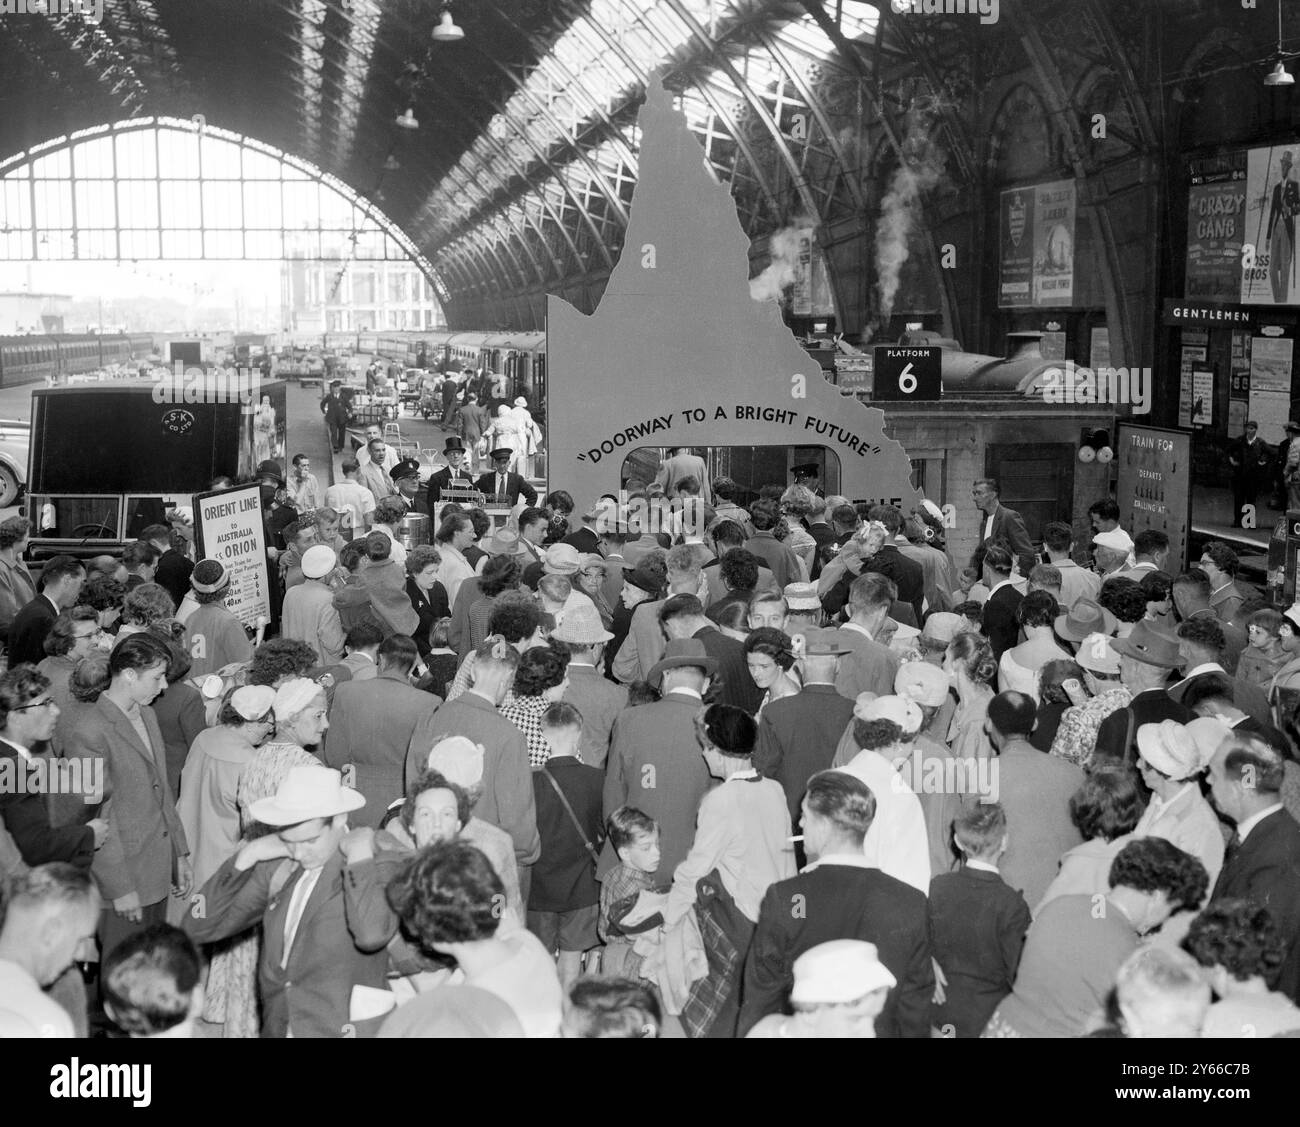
(568, 809)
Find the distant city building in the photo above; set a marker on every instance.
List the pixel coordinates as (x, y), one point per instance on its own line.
(24, 312)
(366, 294)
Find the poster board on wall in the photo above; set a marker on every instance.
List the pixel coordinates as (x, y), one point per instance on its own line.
(1037, 246)
(1154, 487)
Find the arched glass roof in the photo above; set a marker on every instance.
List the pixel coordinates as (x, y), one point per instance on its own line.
(168, 188)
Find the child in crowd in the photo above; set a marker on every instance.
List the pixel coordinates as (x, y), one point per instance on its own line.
(442, 661)
(563, 900)
(611, 1007)
(153, 983)
(1263, 655)
(977, 925)
(634, 836)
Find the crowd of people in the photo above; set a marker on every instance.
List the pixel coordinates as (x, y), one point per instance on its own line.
(694, 762)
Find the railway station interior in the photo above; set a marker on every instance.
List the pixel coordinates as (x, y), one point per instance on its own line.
(953, 341)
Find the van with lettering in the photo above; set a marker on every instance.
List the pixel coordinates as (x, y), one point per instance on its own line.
(108, 460)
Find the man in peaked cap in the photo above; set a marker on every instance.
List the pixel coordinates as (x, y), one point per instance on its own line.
(406, 479)
(808, 474)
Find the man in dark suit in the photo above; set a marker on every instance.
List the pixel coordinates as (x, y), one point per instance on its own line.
(1263, 859)
(318, 941)
(683, 616)
(144, 855)
(798, 735)
(654, 758)
(1000, 523)
(174, 568)
(1251, 459)
(61, 581)
(839, 896)
(371, 725)
(1001, 627)
(1146, 658)
(908, 575)
(1200, 645)
(501, 483)
(455, 472)
(27, 718)
(336, 415)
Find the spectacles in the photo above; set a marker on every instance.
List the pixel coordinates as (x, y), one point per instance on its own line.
(35, 704)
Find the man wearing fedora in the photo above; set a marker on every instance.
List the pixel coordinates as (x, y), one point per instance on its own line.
(455, 472)
(798, 735)
(502, 484)
(598, 699)
(1086, 617)
(292, 882)
(1146, 659)
(655, 763)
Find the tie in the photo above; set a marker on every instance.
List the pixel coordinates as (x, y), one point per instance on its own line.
(297, 904)
(501, 485)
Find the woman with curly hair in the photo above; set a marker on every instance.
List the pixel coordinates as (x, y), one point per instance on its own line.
(500, 574)
(1105, 811)
(73, 635)
(143, 606)
(428, 596)
(540, 680)
(448, 898)
(106, 595)
(1019, 666)
(1242, 949)
(971, 666)
(1158, 590)
(770, 656)
(1125, 599)
(559, 505)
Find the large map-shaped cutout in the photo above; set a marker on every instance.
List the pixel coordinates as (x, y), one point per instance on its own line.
(679, 354)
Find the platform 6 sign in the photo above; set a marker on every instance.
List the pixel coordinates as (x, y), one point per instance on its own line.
(908, 373)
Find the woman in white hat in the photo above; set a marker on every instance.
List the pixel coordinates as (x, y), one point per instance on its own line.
(839, 990)
(1171, 761)
(208, 804)
(507, 433)
(530, 435)
(299, 715)
(1076, 738)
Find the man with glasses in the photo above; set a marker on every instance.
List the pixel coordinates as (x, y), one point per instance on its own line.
(27, 717)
